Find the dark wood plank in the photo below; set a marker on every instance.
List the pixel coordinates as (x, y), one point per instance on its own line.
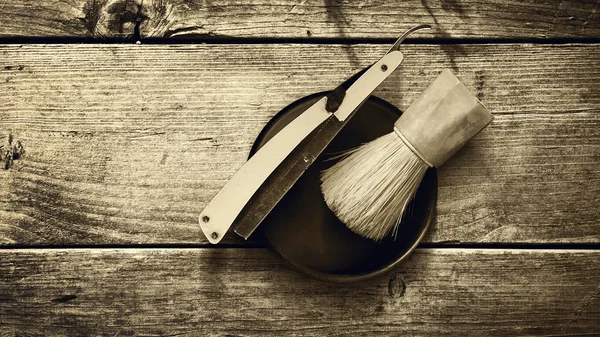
(45, 19)
(126, 144)
(297, 19)
(250, 292)
(378, 19)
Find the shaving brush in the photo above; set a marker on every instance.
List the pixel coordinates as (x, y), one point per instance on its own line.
(370, 188)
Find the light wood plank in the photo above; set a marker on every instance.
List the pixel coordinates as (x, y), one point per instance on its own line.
(297, 19)
(126, 144)
(250, 292)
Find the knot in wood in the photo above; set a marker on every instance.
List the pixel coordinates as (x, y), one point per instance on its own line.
(114, 18)
(396, 286)
(10, 152)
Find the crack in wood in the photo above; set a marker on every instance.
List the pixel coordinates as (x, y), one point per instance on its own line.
(64, 299)
(579, 313)
(186, 30)
(91, 17)
(585, 305)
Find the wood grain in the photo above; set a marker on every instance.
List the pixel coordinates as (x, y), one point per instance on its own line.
(126, 19)
(250, 292)
(113, 155)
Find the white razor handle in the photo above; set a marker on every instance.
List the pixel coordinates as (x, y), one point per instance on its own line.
(221, 212)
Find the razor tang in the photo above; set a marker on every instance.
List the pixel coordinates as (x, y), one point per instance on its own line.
(216, 219)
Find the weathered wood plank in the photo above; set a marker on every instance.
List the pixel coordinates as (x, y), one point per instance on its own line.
(126, 144)
(298, 19)
(250, 292)
(380, 19)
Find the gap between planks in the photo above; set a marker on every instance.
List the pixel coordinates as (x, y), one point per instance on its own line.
(141, 248)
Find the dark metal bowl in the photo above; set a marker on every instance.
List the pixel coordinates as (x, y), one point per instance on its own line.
(309, 237)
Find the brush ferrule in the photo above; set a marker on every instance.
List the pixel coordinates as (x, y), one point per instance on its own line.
(411, 147)
(444, 117)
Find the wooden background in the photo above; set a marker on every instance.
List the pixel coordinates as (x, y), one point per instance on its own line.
(119, 120)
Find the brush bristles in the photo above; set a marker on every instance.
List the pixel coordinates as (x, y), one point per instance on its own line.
(370, 188)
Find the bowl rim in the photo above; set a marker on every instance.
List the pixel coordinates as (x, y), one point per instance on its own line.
(344, 278)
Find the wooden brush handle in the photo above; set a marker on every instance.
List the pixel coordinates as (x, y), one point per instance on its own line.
(442, 120)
